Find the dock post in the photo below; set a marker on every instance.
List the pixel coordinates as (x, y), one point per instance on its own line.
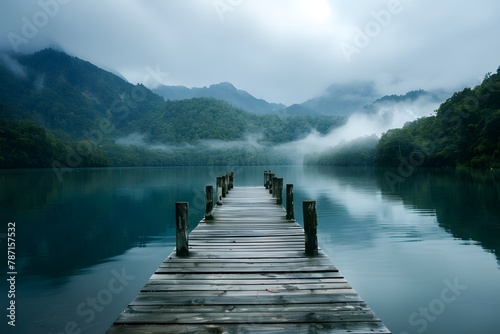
(219, 190)
(310, 227)
(279, 191)
(289, 202)
(181, 226)
(270, 182)
(268, 179)
(265, 178)
(224, 186)
(275, 186)
(209, 190)
(231, 180)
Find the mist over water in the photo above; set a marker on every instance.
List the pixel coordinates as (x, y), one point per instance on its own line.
(385, 116)
(140, 140)
(374, 120)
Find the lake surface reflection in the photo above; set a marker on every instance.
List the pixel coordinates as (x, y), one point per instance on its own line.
(424, 254)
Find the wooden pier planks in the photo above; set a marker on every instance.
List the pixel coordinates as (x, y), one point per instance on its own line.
(247, 273)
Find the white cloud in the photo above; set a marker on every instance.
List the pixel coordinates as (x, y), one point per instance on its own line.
(283, 50)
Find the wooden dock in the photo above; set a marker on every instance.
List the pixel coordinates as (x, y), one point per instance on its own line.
(247, 272)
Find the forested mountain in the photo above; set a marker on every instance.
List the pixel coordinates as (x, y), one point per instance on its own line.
(68, 95)
(412, 96)
(58, 108)
(59, 111)
(224, 91)
(465, 131)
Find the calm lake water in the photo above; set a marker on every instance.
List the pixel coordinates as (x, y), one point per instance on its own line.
(425, 255)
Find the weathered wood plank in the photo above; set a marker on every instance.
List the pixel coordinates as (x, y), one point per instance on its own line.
(275, 288)
(241, 317)
(230, 298)
(352, 306)
(242, 269)
(248, 276)
(240, 259)
(252, 326)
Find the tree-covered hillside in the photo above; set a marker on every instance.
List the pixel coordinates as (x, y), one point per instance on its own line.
(27, 145)
(464, 132)
(85, 112)
(68, 95)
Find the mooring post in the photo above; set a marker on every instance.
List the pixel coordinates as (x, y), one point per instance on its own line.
(219, 190)
(289, 202)
(275, 186)
(224, 186)
(279, 191)
(265, 178)
(310, 227)
(270, 182)
(182, 226)
(231, 180)
(209, 191)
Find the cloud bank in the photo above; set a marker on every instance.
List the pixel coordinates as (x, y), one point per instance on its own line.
(285, 51)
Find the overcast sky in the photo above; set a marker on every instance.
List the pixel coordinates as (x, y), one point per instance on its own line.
(280, 50)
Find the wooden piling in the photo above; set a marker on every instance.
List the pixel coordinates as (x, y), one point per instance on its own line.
(274, 186)
(289, 202)
(209, 191)
(270, 182)
(279, 191)
(224, 186)
(310, 227)
(268, 179)
(219, 190)
(182, 226)
(266, 173)
(231, 180)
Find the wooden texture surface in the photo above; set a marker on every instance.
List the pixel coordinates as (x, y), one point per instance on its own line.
(247, 273)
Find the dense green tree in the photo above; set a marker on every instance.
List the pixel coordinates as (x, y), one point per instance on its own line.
(464, 132)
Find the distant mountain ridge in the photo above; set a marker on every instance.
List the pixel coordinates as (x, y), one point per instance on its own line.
(437, 96)
(343, 99)
(337, 100)
(223, 91)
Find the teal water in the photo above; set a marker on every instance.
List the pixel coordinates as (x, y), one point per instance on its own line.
(424, 254)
